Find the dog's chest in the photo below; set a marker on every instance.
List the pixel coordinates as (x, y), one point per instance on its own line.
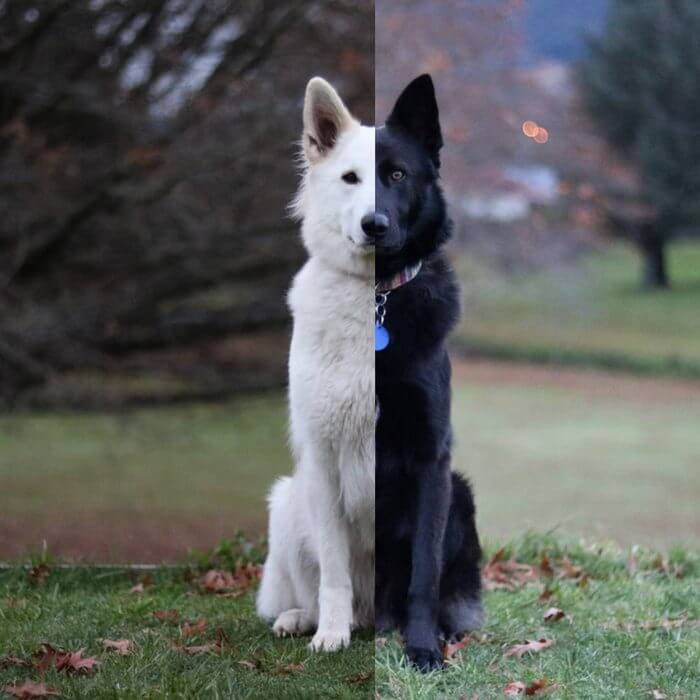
(332, 356)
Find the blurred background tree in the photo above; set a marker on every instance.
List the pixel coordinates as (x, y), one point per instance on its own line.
(641, 85)
(146, 152)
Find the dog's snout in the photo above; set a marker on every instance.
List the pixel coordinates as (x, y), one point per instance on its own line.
(375, 225)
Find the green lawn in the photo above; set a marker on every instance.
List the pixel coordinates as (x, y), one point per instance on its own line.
(603, 456)
(185, 458)
(611, 645)
(77, 608)
(590, 312)
(631, 629)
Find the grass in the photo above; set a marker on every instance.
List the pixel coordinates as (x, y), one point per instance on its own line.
(600, 456)
(603, 457)
(186, 458)
(76, 608)
(589, 313)
(612, 644)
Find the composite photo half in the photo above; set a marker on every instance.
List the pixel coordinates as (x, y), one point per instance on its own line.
(350, 349)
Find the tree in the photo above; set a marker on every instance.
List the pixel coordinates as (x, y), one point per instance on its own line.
(146, 159)
(641, 86)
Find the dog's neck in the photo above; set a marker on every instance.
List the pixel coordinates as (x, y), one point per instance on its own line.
(399, 279)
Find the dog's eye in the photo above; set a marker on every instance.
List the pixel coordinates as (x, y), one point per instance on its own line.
(351, 178)
(397, 175)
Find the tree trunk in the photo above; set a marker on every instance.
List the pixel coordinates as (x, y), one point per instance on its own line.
(655, 269)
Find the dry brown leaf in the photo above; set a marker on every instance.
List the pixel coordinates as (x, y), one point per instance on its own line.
(530, 647)
(450, 651)
(554, 614)
(506, 573)
(252, 665)
(540, 686)
(190, 629)
(289, 668)
(14, 662)
(39, 573)
(30, 689)
(75, 662)
(201, 648)
(514, 689)
(570, 570)
(167, 615)
(360, 678)
(546, 566)
(546, 594)
(241, 579)
(46, 657)
(123, 647)
(138, 588)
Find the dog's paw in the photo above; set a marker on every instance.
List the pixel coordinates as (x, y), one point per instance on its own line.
(425, 658)
(291, 622)
(330, 639)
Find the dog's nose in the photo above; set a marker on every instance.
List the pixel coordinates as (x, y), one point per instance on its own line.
(375, 225)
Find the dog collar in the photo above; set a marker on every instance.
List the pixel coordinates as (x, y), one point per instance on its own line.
(399, 279)
(382, 338)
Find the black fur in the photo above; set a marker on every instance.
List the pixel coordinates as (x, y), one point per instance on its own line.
(427, 548)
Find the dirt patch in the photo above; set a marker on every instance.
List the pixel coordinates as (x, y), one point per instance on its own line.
(118, 537)
(591, 382)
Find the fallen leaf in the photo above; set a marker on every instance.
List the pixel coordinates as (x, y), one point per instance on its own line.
(530, 647)
(666, 624)
(289, 668)
(75, 662)
(190, 629)
(570, 570)
(14, 662)
(546, 566)
(252, 665)
(540, 686)
(46, 657)
(546, 594)
(514, 688)
(30, 689)
(450, 651)
(202, 648)
(123, 647)
(167, 615)
(554, 615)
(658, 694)
(138, 588)
(506, 573)
(360, 678)
(39, 573)
(664, 566)
(215, 581)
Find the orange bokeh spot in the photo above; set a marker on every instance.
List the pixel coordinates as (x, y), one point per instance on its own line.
(530, 128)
(542, 135)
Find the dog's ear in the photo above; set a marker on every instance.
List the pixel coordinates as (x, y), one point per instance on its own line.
(416, 113)
(325, 118)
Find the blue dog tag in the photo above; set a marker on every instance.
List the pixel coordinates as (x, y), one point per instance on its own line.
(381, 338)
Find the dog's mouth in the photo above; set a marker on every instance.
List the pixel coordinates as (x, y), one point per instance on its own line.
(366, 246)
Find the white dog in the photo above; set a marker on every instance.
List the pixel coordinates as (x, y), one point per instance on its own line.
(319, 574)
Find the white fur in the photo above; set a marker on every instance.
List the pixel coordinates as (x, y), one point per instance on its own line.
(319, 574)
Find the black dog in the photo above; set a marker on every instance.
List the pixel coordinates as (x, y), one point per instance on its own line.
(427, 548)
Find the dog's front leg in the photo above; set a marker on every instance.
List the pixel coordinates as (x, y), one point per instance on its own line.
(434, 494)
(335, 587)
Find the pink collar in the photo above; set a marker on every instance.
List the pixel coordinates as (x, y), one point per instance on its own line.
(399, 279)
